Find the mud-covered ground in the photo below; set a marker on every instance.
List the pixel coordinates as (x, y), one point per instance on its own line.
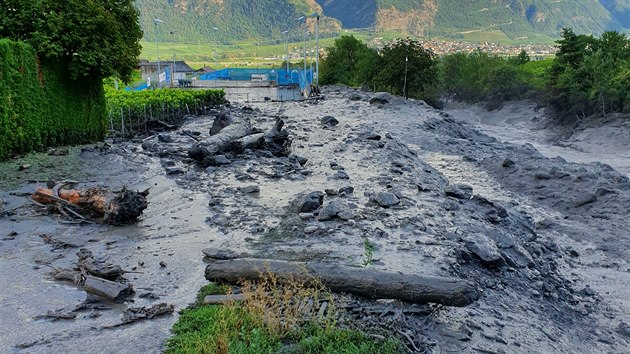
(546, 240)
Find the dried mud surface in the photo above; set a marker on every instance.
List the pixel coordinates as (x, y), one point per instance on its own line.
(547, 241)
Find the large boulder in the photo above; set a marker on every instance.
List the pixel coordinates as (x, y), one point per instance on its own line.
(485, 249)
(386, 199)
(381, 98)
(459, 191)
(311, 202)
(333, 209)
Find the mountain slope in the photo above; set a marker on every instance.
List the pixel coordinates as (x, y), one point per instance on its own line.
(195, 20)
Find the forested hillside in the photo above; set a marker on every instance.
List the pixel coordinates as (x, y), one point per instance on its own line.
(196, 20)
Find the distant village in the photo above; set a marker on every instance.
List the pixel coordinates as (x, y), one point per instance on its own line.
(440, 47)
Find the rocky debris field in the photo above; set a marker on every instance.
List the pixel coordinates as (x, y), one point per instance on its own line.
(357, 179)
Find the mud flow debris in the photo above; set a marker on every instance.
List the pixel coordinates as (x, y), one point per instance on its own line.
(440, 232)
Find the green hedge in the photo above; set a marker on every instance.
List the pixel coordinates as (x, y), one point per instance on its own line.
(138, 107)
(41, 107)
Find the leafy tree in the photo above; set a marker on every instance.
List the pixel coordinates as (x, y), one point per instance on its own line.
(589, 75)
(93, 38)
(408, 69)
(349, 62)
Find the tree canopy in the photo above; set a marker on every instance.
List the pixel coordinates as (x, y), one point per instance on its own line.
(93, 38)
(349, 62)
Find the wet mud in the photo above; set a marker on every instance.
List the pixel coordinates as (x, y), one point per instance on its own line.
(545, 241)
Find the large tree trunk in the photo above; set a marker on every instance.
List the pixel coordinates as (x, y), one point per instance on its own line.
(217, 143)
(276, 141)
(359, 281)
(123, 207)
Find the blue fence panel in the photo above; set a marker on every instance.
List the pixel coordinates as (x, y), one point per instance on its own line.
(281, 76)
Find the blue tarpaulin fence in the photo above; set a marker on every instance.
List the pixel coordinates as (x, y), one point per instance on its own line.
(282, 77)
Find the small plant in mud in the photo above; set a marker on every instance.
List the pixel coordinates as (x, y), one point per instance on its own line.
(368, 253)
(286, 315)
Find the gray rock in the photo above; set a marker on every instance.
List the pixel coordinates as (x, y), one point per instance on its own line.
(542, 176)
(332, 210)
(311, 202)
(220, 122)
(508, 163)
(459, 191)
(355, 96)
(486, 249)
(310, 229)
(517, 256)
(386, 199)
(165, 138)
(584, 198)
(329, 121)
(346, 215)
(250, 189)
(371, 136)
(381, 98)
(341, 175)
(332, 192)
(347, 190)
(219, 253)
(218, 160)
(174, 170)
(300, 159)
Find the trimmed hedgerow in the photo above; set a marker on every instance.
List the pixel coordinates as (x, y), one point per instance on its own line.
(40, 106)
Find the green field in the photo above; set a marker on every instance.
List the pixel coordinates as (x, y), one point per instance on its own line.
(259, 52)
(251, 52)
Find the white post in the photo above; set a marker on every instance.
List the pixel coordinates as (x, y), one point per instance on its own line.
(317, 51)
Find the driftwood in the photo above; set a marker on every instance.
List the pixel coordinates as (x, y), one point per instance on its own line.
(107, 289)
(237, 137)
(87, 263)
(123, 207)
(216, 143)
(363, 282)
(276, 141)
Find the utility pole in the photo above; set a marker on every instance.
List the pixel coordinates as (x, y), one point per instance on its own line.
(317, 51)
(157, 43)
(405, 85)
(173, 69)
(286, 41)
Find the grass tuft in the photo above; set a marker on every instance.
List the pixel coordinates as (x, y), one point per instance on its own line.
(289, 316)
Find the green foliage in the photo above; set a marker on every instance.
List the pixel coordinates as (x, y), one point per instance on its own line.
(368, 254)
(408, 69)
(590, 74)
(41, 107)
(93, 38)
(196, 21)
(241, 328)
(139, 106)
(479, 77)
(349, 62)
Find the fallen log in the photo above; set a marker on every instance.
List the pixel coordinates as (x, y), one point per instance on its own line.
(106, 289)
(216, 143)
(276, 141)
(123, 207)
(359, 281)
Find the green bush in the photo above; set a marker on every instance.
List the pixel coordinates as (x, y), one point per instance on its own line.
(40, 106)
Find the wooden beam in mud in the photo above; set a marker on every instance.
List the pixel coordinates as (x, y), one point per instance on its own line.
(368, 283)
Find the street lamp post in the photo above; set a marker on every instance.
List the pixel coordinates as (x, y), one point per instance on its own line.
(405, 85)
(316, 15)
(286, 42)
(157, 43)
(174, 57)
(304, 36)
